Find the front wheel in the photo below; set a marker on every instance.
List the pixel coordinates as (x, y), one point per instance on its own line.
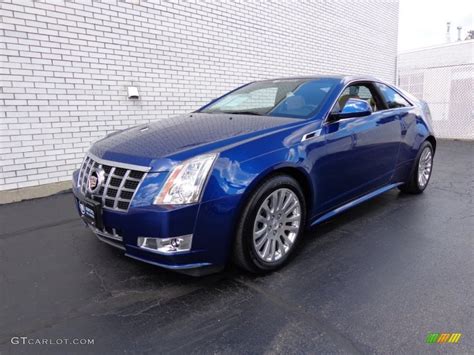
(421, 172)
(271, 225)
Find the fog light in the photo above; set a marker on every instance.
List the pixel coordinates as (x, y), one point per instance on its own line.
(175, 242)
(166, 245)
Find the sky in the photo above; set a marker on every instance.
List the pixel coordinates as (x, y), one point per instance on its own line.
(422, 23)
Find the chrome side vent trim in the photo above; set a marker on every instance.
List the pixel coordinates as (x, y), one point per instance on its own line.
(310, 135)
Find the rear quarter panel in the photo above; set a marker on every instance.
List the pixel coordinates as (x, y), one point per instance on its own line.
(416, 128)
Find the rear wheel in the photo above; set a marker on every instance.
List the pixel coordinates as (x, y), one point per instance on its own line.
(271, 225)
(421, 172)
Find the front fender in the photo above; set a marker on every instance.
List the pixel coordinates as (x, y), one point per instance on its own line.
(233, 178)
(274, 163)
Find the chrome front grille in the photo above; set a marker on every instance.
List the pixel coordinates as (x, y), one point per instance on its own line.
(120, 183)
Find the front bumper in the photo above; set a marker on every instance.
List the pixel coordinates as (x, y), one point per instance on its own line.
(211, 224)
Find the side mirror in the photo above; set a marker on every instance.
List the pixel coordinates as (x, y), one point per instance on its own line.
(352, 108)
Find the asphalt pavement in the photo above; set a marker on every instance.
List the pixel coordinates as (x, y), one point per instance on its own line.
(376, 279)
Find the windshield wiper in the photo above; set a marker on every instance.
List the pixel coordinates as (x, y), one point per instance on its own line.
(242, 113)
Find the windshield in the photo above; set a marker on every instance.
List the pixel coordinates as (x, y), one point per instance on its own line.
(299, 98)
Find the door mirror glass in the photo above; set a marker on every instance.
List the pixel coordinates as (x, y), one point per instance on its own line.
(353, 108)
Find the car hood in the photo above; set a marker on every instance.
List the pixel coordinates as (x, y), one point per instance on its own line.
(184, 135)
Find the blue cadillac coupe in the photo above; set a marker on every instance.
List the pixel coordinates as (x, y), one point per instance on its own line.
(242, 177)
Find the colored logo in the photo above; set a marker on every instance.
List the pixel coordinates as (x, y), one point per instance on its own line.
(443, 338)
(95, 180)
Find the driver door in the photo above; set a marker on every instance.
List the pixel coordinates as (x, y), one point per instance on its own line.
(361, 152)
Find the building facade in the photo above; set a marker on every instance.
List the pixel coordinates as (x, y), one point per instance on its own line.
(67, 66)
(443, 76)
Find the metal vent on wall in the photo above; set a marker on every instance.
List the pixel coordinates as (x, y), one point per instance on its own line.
(120, 183)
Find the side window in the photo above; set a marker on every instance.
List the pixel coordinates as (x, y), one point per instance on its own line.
(303, 100)
(358, 91)
(392, 98)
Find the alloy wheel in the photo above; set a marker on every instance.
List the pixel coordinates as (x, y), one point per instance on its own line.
(424, 167)
(276, 225)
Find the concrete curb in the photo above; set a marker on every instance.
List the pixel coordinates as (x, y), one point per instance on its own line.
(27, 193)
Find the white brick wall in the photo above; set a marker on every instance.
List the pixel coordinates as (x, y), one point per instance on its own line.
(66, 66)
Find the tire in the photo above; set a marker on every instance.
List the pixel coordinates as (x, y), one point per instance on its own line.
(415, 184)
(280, 230)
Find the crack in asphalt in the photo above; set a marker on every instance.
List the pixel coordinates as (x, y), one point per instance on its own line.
(36, 228)
(324, 327)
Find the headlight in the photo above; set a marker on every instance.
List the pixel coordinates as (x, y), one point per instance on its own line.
(186, 181)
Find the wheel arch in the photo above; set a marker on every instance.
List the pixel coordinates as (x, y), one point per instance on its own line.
(432, 140)
(297, 173)
(238, 246)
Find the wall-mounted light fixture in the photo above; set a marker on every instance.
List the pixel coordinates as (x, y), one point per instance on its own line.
(133, 93)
